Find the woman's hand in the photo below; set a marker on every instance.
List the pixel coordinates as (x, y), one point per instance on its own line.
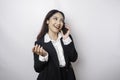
(66, 35)
(39, 50)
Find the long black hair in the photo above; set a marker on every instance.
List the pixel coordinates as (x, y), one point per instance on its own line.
(44, 28)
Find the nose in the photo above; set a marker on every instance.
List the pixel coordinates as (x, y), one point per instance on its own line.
(58, 22)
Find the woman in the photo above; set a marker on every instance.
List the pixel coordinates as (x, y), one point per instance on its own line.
(54, 49)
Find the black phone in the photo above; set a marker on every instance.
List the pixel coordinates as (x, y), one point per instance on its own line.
(64, 30)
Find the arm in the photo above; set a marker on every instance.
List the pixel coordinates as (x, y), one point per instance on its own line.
(69, 45)
(71, 51)
(39, 64)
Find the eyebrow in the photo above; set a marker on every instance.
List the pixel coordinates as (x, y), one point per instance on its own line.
(57, 17)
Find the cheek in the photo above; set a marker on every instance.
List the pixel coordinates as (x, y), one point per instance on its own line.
(61, 24)
(61, 27)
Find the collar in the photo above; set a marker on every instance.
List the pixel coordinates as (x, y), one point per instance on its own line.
(48, 39)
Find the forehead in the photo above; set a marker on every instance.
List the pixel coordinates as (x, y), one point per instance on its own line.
(59, 15)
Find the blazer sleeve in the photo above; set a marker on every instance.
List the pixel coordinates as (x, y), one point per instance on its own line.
(71, 51)
(38, 65)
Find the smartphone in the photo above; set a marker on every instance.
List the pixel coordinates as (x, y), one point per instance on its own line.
(64, 29)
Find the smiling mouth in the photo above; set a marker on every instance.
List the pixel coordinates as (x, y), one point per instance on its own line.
(57, 27)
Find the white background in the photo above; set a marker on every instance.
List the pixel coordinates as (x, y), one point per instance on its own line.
(95, 27)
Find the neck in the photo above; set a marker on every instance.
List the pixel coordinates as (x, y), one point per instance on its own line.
(52, 35)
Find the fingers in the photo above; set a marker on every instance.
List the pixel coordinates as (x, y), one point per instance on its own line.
(38, 50)
(66, 35)
(67, 26)
(41, 50)
(34, 48)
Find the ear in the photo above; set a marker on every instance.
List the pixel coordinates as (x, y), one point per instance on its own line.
(47, 22)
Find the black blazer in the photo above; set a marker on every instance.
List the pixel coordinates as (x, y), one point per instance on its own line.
(50, 70)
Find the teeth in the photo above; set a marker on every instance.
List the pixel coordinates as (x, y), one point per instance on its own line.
(57, 27)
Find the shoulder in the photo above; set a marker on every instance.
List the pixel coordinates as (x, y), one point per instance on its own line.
(40, 41)
(70, 37)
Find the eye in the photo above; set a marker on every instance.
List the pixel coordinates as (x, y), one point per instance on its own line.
(55, 18)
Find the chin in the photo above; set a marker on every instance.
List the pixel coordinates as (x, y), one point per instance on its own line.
(57, 31)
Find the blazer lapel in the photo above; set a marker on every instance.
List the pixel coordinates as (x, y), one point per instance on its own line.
(65, 56)
(52, 53)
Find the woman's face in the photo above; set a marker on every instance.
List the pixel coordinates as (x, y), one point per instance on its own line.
(55, 23)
